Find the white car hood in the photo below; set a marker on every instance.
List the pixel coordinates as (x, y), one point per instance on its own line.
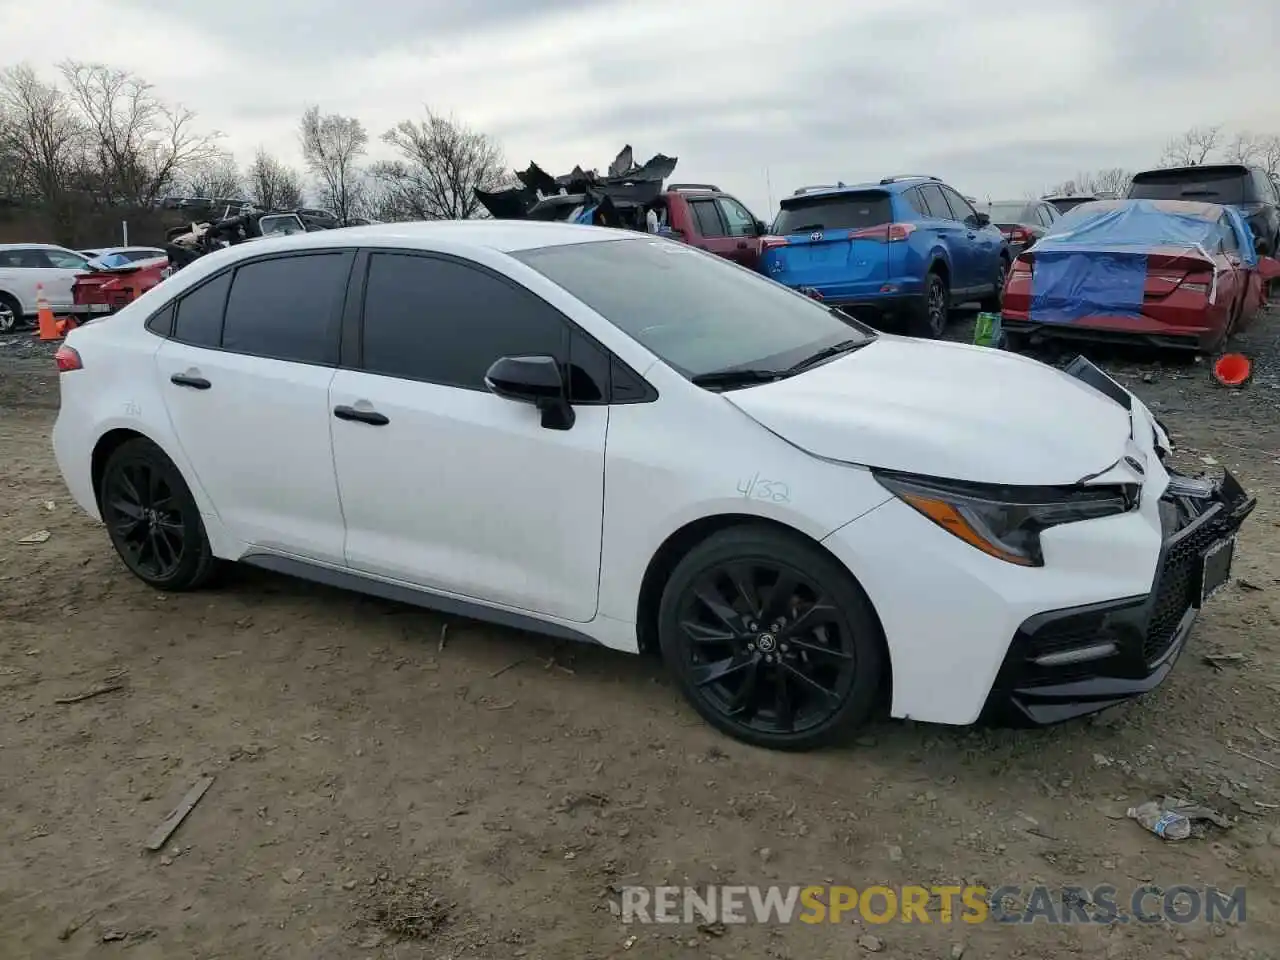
(945, 410)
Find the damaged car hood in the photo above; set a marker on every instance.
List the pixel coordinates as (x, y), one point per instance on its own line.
(945, 410)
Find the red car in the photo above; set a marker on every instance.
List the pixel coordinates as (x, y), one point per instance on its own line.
(107, 289)
(1165, 273)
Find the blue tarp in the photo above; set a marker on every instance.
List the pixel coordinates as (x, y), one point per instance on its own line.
(1094, 259)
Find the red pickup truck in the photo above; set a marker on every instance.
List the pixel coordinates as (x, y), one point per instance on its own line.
(704, 216)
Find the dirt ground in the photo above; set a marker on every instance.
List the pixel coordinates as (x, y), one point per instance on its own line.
(384, 789)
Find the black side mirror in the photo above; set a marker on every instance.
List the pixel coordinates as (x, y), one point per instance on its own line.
(762, 228)
(534, 380)
(982, 219)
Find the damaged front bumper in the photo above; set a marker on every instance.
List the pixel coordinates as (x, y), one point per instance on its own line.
(1069, 663)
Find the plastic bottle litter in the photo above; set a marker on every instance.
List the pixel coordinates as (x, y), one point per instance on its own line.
(1165, 824)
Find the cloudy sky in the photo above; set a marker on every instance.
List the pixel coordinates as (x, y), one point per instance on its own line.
(759, 96)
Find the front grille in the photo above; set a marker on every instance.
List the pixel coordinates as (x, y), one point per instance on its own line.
(1177, 587)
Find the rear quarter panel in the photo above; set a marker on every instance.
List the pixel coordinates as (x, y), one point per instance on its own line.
(118, 389)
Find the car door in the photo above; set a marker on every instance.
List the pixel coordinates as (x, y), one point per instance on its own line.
(444, 484)
(713, 232)
(952, 233)
(245, 374)
(981, 244)
(743, 227)
(58, 277)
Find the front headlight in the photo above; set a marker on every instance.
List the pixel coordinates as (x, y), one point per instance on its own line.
(1006, 522)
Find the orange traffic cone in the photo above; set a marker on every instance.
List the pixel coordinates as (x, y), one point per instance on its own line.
(47, 326)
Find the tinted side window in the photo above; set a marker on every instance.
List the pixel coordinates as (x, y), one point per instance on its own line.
(960, 207)
(427, 318)
(288, 308)
(741, 222)
(708, 221)
(916, 202)
(161, 323)
(199, 320)
(934, 200)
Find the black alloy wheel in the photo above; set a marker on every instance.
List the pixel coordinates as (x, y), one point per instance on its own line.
(152, 519)
(771, 640)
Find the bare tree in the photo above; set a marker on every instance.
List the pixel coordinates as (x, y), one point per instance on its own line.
(139, 144)
(272, 185)
(1268, 155)
(1111, 180)
(333, 146)
(441, 164)
(218, 177)
(1192, 148)
(1244, 148)
(40, 135)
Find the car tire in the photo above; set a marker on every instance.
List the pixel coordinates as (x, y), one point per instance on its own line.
(10, 313)
(929, 316)
(995, 302)
(761, 685)
(153, 520)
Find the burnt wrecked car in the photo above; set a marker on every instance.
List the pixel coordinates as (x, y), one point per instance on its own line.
(622, 197)
(184, 245)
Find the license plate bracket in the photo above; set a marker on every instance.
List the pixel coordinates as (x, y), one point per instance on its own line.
(1215, 568)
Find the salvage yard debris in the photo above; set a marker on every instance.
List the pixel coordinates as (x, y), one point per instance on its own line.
(165, 830)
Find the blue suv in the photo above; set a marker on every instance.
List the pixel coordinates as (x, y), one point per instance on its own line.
(907, 247)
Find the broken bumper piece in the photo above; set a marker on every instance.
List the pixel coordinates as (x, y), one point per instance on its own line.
(1069, 663)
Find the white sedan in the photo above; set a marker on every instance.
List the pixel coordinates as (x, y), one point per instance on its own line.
(29, 268)
(617, 438)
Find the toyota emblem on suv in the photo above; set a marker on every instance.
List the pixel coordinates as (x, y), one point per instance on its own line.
(816, 235)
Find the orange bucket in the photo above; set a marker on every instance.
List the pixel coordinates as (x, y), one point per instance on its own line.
(1232, 369)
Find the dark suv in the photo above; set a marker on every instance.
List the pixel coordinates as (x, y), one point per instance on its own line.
(1248, 189)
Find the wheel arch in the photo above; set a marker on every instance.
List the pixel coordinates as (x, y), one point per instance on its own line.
(678, 544)
(112, 440)
(941, 265)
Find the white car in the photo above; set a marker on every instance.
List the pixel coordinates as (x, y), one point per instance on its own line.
(23, 267)
(618, 438)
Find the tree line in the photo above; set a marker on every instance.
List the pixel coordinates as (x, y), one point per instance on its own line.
(1196, 147)
(101, 140)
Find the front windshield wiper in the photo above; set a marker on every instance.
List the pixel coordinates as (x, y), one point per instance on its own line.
(827, 353)
(740, 377)
(806, 226)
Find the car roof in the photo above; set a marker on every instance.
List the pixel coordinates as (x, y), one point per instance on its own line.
(505, 236)
(1197, 171)
(103, 251)
(33, 246)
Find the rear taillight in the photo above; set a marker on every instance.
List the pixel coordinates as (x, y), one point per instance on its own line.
(1018, 235)
(1021, 268)
(67, 359)
(889, 232)
(768, 243)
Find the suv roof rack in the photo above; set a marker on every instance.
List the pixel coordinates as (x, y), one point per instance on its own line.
(814, 188)
(677, 187)
(908, 176)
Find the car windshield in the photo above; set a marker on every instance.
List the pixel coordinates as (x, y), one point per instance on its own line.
(1214, 186)
(699, 313)
(110, 261)
(838, 211)
(1009, 213)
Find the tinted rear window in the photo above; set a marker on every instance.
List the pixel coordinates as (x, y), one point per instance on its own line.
(1212, 186)
(1011, 213)
(844, 211)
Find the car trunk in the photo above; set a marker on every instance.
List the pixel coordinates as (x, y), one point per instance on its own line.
(832, 237)
(1065, 286)
(111, 286)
